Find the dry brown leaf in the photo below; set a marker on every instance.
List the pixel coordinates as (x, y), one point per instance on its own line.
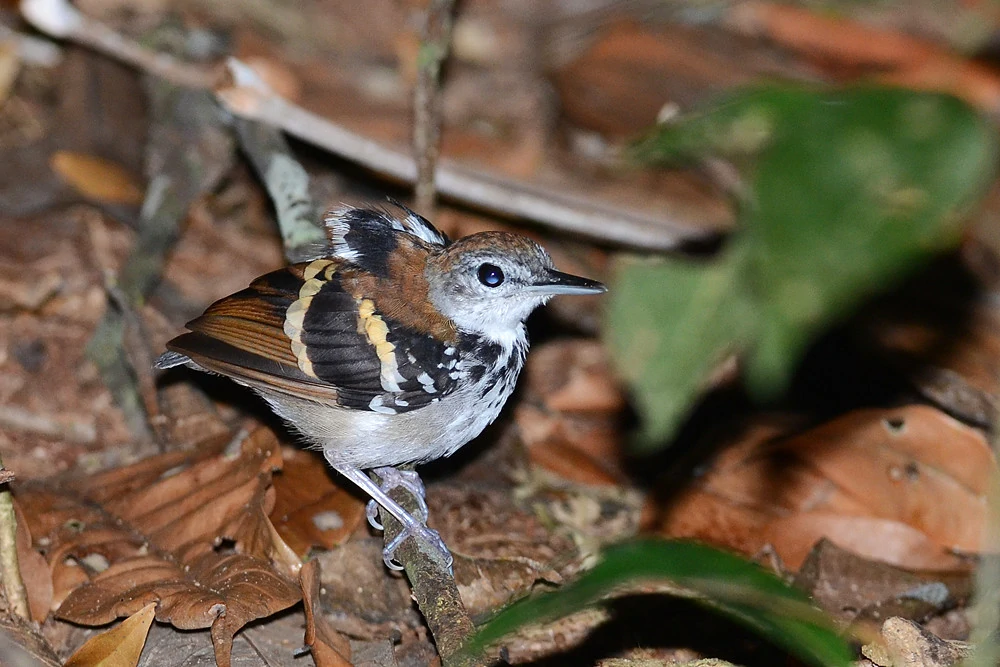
(854, 588)
(879, 539)
(97, 178)
(328, 647)
(906, 486)
(120, 646)
(897, 58)
(154, 532)
(571, 417)
(617, 86)
(310, 510)
(34, 571)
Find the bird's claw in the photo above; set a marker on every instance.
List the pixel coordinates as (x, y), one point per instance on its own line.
(421, 532)
(371, 510)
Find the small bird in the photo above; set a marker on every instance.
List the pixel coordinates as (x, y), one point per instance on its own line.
(392, 346)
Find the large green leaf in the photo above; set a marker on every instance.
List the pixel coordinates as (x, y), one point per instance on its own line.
(672, 323)
(721, 580)
(850, 190)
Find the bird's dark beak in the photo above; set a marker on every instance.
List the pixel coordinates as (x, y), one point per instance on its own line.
(557, 282)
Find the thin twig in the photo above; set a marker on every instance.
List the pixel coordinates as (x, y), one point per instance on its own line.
(10, 570)
(287, 183)
(435, 41)
(285, 180)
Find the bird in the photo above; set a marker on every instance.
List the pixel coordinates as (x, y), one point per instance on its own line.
(388, 345)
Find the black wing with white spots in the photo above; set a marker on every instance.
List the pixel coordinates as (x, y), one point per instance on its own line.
(300, 332)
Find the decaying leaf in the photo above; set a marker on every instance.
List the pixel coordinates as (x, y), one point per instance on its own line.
(906, 486)
(906, 644)
(192, 537)
(120, 646)
(329, 648)
(571, 416)
(860, 589)
(310, 510)
(34, 571)
(97, 178)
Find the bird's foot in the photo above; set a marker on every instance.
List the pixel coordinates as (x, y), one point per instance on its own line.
(393, 478)
(421, 531)
(415, 526)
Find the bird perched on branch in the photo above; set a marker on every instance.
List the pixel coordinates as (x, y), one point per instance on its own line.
(395, 346)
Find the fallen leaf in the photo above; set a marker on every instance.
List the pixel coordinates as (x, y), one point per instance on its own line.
(906, 644)
(882, 539)
(120, 646)
(617, 86)
(571, 416)
(853, 587)
(906, 486)
(897, 58)
(310, 510)
(97, 178)
(34, 571)
(328, 647)
(157, 531)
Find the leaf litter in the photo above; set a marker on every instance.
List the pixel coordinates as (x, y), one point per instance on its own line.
(515, 525)
(191, 536)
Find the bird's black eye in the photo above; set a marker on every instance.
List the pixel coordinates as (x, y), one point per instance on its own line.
(490, 275)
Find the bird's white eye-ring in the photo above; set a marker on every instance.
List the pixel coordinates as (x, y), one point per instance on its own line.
(490, 275)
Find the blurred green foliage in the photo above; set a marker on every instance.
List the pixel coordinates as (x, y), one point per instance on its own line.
(720, 580)
(846, 192)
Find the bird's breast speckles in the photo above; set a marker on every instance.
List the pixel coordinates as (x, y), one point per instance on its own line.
(315, 275)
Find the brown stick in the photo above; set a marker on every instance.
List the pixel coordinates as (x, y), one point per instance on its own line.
(435, 41)
(584, 216)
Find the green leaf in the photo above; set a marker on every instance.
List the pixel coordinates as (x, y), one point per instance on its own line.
(849, 192)
(719, 579)
(847, 201)
(673, 322)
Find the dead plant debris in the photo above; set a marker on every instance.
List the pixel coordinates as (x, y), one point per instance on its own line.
(868, 486)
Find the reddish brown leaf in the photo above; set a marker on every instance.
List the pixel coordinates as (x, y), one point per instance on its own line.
(310, 510)
(570, 418)
(879, 539)
(153, 536)
(900, 59)
(906, 486)
(34, 571)
(97, 178)
(618, 85)
(329, 648)
(120, 646)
